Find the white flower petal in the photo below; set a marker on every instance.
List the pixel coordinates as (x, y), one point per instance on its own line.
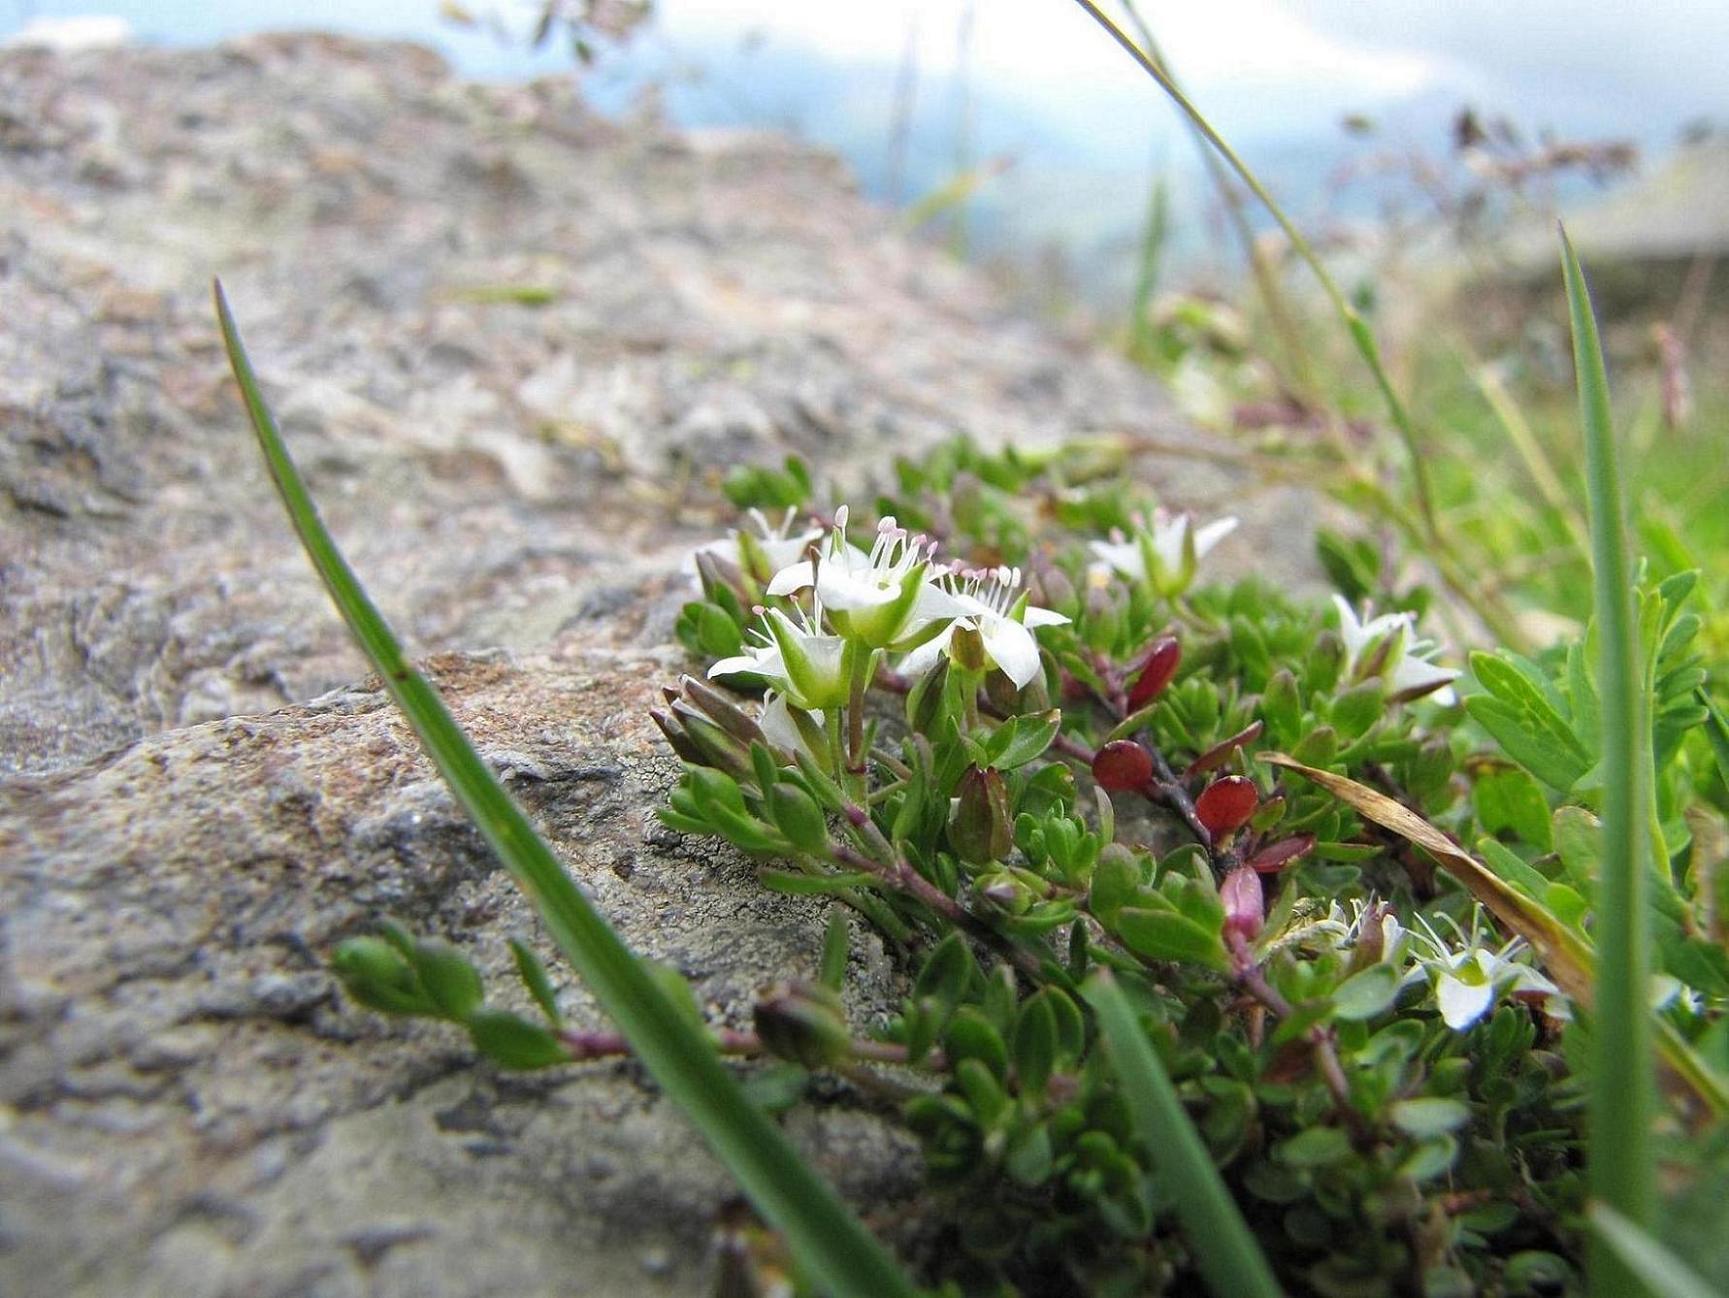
(1414, 674)
(922, 659)
(1168, 534)
(779, 728)
(1011, 647)
(1034, 616)
(764, 662)
(1210, 535)
(843, 590)
(1123, 556)
(1462, 1003)
(793, 577)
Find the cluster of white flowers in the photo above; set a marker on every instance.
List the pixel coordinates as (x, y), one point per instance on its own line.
(895, 598)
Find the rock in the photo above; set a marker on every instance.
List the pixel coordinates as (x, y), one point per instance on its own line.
(513, 345)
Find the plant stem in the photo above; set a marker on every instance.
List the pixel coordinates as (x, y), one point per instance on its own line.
(900, 874)
(1320, 1038)
(584, 1046)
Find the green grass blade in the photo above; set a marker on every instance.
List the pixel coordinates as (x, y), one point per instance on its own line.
(1226, 1251)
(1662, 1273)
(1623, 1085)
(828, 1241)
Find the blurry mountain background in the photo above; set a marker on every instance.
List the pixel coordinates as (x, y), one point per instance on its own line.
(1017, 133)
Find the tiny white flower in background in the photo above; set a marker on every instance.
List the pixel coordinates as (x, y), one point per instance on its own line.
(880, 598)
(1165, 552)
(992, 607)
(780, 543)
(1467, 980)
(1405, 667)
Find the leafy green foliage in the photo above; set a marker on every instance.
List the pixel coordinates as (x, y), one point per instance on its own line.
(1386, 1086)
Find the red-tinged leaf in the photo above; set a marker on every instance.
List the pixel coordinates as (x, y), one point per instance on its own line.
(1122, 766)
(1221, 752)
(1226, 804)
(1276, 856)
(1157, 669)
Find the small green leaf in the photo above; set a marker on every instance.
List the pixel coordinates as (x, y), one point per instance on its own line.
(1511, 867)
(533, 974)
(798, 884)
(1512, 800)
(1030, 1158)
(514, 1042)
(1027, 738)
(949, 971)
(1364, 995)
(1358, 708)
(1430, 1159)
(798, 817)
(1555, 761)
(971, 1036)
(1316, 1147)
(836, 950)
(1035, 1043)
(1429, 1115)
(1166, 935)
(451, 981)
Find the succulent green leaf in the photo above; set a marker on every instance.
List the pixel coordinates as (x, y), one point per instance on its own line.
(515, 1042)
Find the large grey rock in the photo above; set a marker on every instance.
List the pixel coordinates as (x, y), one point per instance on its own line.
(188, 1108)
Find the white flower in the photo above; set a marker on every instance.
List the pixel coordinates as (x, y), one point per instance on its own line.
(1386, 646)
(779, 544)
(1001, 619)
(882, 598)
(1164, 554)
(1467, 980)
(791, 730)
(813, 668)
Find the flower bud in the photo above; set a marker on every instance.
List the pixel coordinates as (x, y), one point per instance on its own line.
(1006, 892)
(803, 1022)
(680, 741)
(1226, 804)
(717, 747)
(967, 649)
(1157, 669)
(981, 828)
(1122, 766)
(1371, 944)
(1053, 589)
(1245, 906)
(721, 710)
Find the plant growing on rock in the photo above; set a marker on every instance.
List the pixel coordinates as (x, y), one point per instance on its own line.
(1050, 763)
